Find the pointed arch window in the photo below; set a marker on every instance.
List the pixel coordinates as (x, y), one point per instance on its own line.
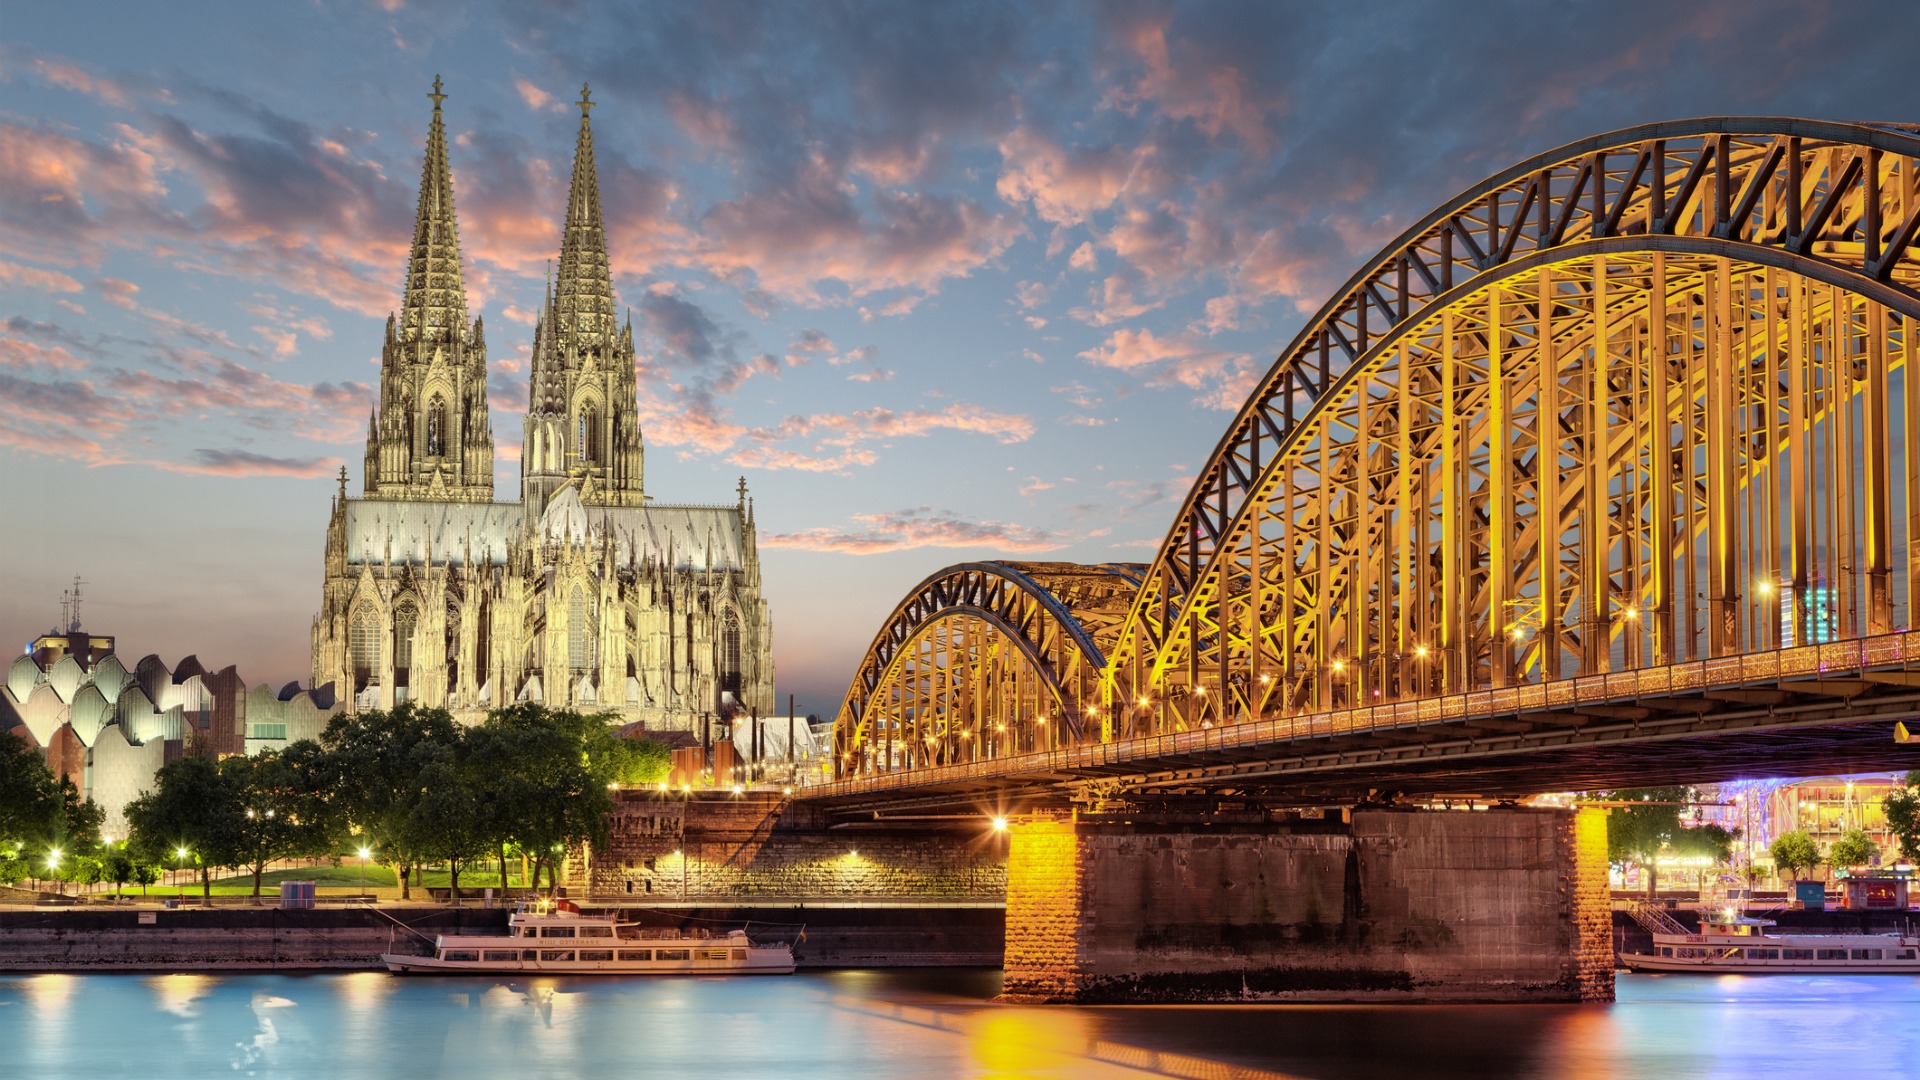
(363, 646)
(436, 427)
(405, 618)
(587, 440)
(730, 652)
(581, 653)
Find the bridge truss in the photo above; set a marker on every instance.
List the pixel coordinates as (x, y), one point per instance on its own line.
(1638, 402)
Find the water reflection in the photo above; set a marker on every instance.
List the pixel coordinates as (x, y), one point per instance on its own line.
(851, 1025)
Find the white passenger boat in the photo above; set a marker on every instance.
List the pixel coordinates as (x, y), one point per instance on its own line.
(561, 941)
(1733, 943)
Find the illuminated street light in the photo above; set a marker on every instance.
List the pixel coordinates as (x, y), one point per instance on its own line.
(999, 824)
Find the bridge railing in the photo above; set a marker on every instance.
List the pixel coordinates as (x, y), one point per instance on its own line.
(1835, 659)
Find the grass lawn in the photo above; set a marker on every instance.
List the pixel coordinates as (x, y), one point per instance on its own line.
(345, 878)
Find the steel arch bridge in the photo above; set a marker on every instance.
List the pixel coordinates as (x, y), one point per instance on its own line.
(1634, 406)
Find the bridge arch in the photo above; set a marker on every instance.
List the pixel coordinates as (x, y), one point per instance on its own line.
(1705, 214)
(981, 660)
(1638, 401)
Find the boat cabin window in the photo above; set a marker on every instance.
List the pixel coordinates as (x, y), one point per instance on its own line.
(556, 954)
(1833, 954)
(596, 954)
(1797, 954)
(1903, 954)
(460, 954)
(501, 954)
(670, 954)
(636, 954)
(739, 954)
(713, 954)
(556, 931)
(1666, 950)
(529, 954)
(596, 931)
(1763, 954)
(1866, 954)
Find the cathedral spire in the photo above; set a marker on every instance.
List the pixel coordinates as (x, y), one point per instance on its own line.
(585, 286)
(435, 305)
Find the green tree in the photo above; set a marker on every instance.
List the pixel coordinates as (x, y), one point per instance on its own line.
(550, 798)
(374, 769)
(616, 759)
(145, 874)
(39, 813)
(117, 866)
(1902, 806)
(1710, 842)
(194, 805)
(1638, 834)
(1793, 852)
(450, 819)
(1854, 848)
(285, 811)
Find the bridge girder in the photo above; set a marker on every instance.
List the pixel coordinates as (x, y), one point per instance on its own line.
(1635, 403)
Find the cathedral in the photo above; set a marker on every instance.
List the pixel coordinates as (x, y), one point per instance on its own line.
(586, 593)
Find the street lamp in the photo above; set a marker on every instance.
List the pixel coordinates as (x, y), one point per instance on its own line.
(364, 853)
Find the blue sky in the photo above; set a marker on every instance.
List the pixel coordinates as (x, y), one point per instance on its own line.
(942, 281)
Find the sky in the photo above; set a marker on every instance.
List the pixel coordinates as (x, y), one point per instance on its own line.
(943, 282)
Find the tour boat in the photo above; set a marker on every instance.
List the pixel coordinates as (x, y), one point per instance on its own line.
(1733, 943)
(561, 941)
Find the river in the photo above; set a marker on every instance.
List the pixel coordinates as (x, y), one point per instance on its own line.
(846, 1025)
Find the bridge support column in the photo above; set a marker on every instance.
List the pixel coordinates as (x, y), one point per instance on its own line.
(1390, 905)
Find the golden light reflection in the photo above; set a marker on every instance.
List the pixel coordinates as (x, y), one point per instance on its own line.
(177, 994)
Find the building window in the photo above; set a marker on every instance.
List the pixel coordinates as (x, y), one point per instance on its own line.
(730, 652)
(436, 427)
(363, 646)
(405, 618)
(580, 637)
(587, 437)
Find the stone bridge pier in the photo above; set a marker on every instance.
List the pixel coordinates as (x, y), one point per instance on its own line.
(1507, 904)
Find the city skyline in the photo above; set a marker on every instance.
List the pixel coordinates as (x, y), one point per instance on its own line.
(942, 285)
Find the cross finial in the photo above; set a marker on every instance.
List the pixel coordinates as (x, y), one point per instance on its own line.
(343, 481)
(586, 99)
(743, 491)
(437, 96)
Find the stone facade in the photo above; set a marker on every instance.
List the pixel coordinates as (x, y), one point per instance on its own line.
(586, 593)
(1394, 905)
(761, 847)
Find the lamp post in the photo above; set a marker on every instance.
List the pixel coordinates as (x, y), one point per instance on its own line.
(364, 853)
(179, 857)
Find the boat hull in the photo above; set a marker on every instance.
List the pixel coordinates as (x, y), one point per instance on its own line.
(1672, 965)
(402, 964)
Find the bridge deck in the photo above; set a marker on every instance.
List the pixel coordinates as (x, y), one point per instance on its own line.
(1817, 708)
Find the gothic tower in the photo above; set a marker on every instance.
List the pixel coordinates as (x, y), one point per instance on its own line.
(582, 423)
(430, 436)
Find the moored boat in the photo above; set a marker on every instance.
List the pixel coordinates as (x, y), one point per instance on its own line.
(1733, 943)
(561, 941)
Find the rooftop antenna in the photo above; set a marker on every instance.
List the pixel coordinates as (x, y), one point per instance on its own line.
(72, 606)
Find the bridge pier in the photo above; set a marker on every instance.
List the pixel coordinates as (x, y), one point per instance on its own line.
(1508, 904)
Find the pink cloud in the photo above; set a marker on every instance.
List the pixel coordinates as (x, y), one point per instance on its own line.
(873, 534)
(1065, 187)
(29, 277)
(71, 77)
(1222, 379)
(241, 463)
(535, 97)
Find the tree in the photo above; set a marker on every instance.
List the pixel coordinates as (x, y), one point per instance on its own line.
(1638, 834)
(117, 866)
(549, 797)
(1854, 848)
(197, 806)
(1710, 842)
(616, 759)
(1793, 852)
(449, 820)
(1902, 805)
(145, 874)
(41, 815)
(284, 808)
(373, 767)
